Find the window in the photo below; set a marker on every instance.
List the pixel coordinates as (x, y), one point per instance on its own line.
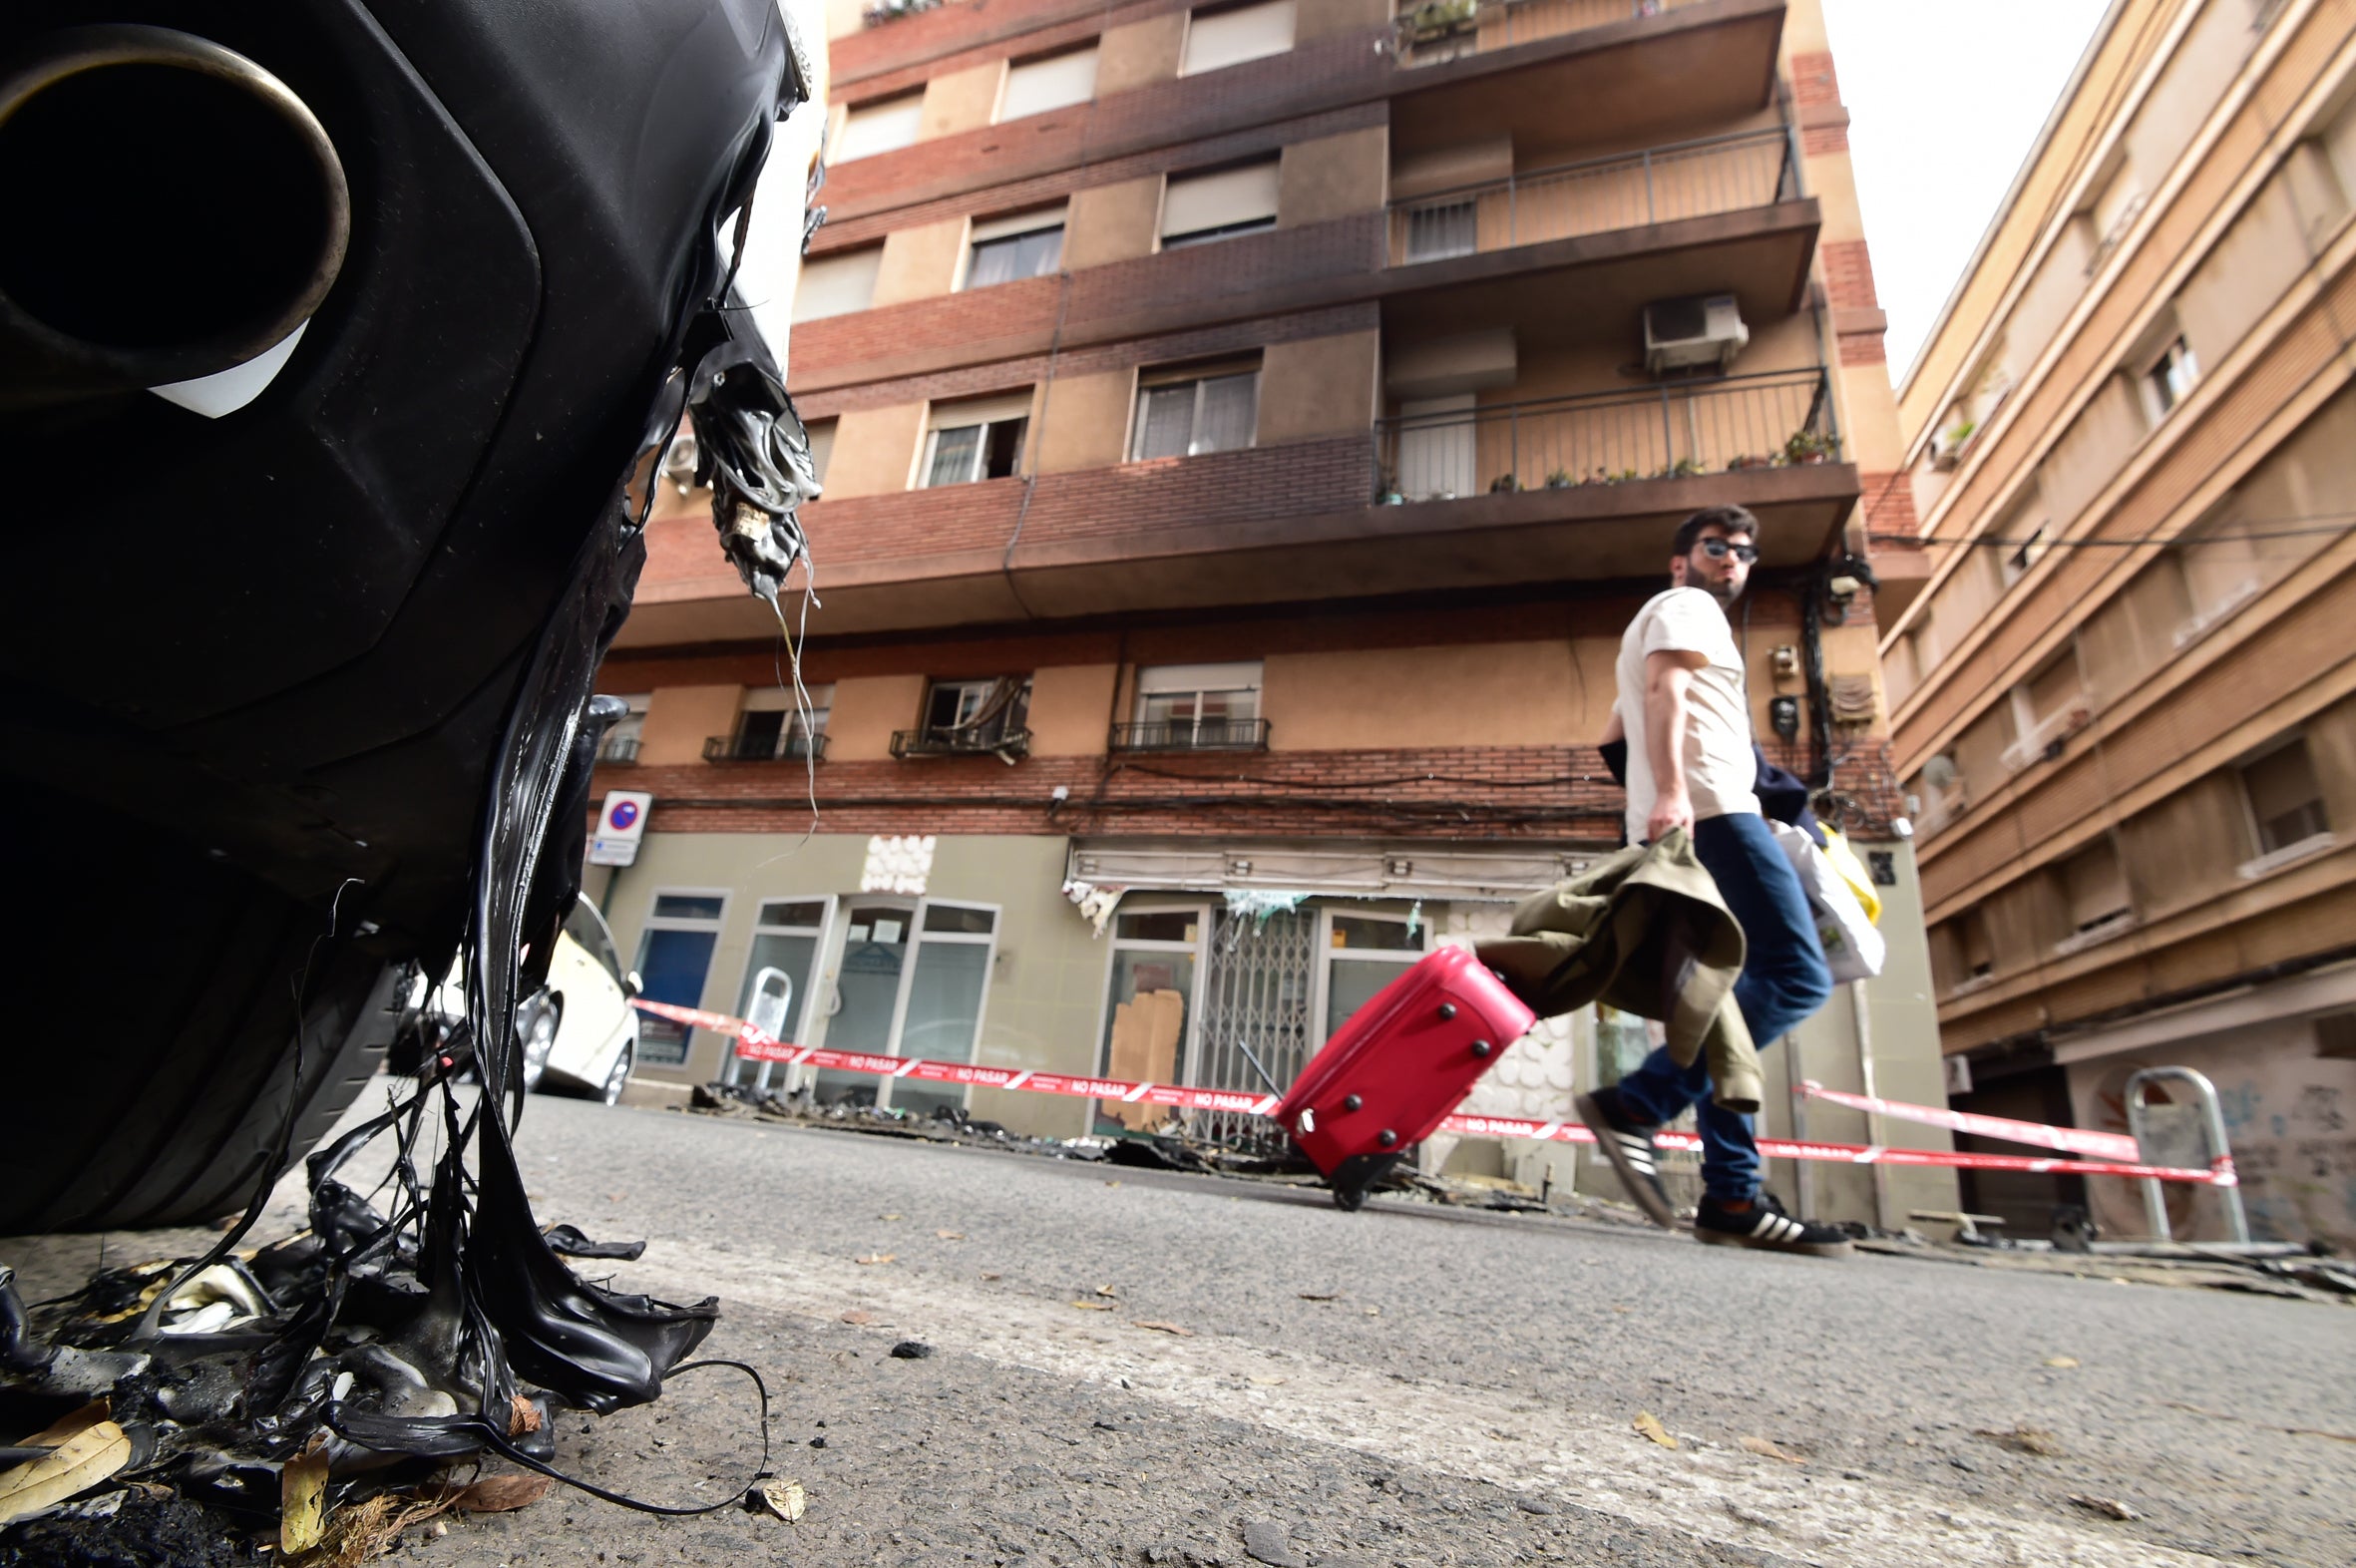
(835, 285)
(907, 978)
(2020, 557)
(675, 956)
(1216, 39)
(942, 1017)
(2170, 378)
(822, 447)
(1962, 952)
(621, 741)
(1187, 413)
(884, 127)
(2285, 801)
(975, 440)
(769, 725)
(1156, 955)
(1220, 204)
(2094, 890)
(1009, 249)
(1054, 81)
(1191, 706)
(779, 978)
(971, 717)
(1364, 954)
(2118, 197)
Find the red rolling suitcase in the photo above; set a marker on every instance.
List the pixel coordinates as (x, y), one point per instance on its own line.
(1401, 1064)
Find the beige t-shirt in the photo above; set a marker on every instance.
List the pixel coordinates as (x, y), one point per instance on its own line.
(1720, 770)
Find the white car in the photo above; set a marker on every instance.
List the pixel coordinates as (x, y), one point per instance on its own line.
(581, 1032)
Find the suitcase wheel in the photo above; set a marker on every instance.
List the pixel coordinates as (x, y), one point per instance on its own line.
(1355, 1177)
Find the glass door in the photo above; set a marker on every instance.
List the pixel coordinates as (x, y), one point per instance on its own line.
(863, 1010)
(1362, 953)
(1150, 1006)
(941, 1018)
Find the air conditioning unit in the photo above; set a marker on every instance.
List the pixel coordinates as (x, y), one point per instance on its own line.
(1703, 329)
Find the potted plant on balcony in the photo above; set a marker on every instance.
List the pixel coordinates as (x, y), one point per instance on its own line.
(1809, 446)
(1560, 479)
(1749, 459)
(1387, 490)
(1506, 485)
(1437, 19)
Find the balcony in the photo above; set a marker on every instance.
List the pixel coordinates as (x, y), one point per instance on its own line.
(1678, 430)
(619, 751)
(1441, 30)
(1001, 740)
(1190, 735)
(754, 746)
(1682, 180)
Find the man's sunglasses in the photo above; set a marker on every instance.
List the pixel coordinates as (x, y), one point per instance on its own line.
(1720, 548)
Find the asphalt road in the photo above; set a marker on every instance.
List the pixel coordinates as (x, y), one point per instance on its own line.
(1134, 1368)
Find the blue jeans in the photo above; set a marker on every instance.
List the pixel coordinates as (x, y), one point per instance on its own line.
(1785, 981)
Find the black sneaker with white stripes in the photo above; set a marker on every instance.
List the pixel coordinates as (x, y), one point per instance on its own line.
(1630, 1149)
(1764, 1224)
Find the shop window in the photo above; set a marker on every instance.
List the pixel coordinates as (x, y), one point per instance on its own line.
(977, 438)
(1216, 39)
(1149, 1004)
(1362, 953)
(837, 284)
(780, 973)
(1051, 82)
(1009, 249)
(941, 1019)
(1219, 205)
(2284, 798)
(1186, 413)
(884, 127)
(674, 957)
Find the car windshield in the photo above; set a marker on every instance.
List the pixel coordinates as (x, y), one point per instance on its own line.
(587, 927)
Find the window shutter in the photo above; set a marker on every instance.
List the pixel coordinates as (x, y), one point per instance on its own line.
(835, 285)
(2095, 886)
(1237, 676)
(981, 410)
(1036, 218)
(1035, 85)
(884, 127)
(1194, 202)
(1225, 38)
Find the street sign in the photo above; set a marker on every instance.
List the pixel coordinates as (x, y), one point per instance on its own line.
(620, 824)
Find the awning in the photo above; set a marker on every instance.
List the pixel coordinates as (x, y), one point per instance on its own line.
(1360, 869)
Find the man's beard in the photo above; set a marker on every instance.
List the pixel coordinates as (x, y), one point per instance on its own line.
(1723, 590)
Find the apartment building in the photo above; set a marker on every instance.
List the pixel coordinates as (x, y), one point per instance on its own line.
(2122, 677)
(1246, 430)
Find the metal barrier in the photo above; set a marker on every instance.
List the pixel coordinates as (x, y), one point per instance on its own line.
(1675, 430)
(2219, 1151)
(1441, 30)
(1721, 174)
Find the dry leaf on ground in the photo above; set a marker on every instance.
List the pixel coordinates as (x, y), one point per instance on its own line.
(876, 1256)
(2108, 1507)
(857, 1315)
(522, 1417)
(1374, 1312)
(2064, 1361)
(1093, 1305)
(1321, 1296)
(950, 1234)
(785, 1499)
(992, 1275)
(895, 1216)
(1106, 1290)
(302, 1498)
(1767, 1447)
(501, 1493)
(1268, 1382)
(1650, 1425)
(1163, 1328)
(85, 1448)
(2026, 1440)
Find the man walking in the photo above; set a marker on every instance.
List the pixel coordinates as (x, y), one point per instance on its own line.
(1682, 710)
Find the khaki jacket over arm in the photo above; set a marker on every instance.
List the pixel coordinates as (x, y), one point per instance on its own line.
(1647, 933)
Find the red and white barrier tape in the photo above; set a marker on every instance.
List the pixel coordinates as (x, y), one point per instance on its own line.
(758, 1044)
(2114, 1146)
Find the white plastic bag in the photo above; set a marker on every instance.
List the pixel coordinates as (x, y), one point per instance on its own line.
(1854, 949)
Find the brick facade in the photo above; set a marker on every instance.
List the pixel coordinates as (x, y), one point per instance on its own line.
(1848, 276)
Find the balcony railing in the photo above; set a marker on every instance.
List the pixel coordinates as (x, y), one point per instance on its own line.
(1430, 31)
(1187, 735)
(1724, 173)
(790, 746)
(621, 750)
(1673, 431)
(1005, 741)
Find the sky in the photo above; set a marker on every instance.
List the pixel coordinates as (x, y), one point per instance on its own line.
(1945, 103)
